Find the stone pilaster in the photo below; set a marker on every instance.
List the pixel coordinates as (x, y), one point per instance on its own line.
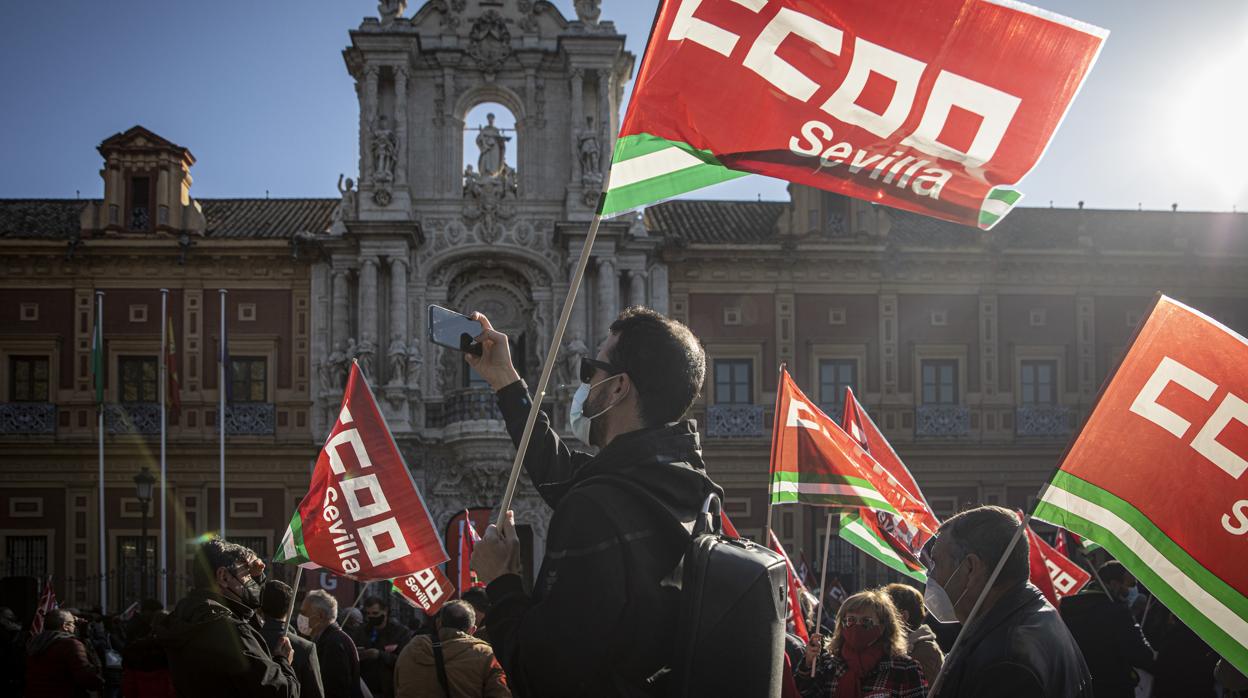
(578, 120)
(1085, 346)
(400, 124)
(988, 359)
(368, 300)
(371, 74)
(785, 331)
(339, 311)
(398, 305)
(637, 287)
(578, 322)
(888, 343)
(608, 296)
(658, 287)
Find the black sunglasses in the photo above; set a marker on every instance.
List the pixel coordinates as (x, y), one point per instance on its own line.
(590, 366)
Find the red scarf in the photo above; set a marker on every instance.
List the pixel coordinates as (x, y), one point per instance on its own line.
(858, 663)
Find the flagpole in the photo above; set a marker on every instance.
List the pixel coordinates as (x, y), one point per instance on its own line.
(221, 350)
(823, 581)
(551, 353)
(164, 483)
(775, 432)
(99, 409)
(294, 594)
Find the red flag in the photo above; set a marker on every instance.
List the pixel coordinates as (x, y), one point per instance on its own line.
(47, 602)
(428, 589)
(1054, 574)
(171, 371)
(467, 543)
(363, 517)
(1060, 542)
(729, 529)
(795, 591)
(933, 106)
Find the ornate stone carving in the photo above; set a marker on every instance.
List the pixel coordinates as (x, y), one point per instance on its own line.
(347, 206)
(385, 148)
(588, 11)
(489, 42)
(397, 356)
(569, 368)
(492, 159)
(589, 150)
(364, 352)
(390, 10)
(415, 361)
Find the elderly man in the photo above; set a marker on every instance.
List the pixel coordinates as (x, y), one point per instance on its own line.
(56, 660)
(340, 664)
(458, 665)
(212, 638)
(1017, 645)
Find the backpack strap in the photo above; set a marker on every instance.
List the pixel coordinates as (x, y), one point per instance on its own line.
(440, 662)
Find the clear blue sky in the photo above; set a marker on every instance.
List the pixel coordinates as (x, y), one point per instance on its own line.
(259, 93)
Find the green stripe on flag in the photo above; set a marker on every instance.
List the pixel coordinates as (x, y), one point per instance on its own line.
(826, 489)
(646, 169)
(1211, 607)
(292, 548)
(1000, 201)
(859, 535)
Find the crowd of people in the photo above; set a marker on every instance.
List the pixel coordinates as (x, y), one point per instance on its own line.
(601, 617)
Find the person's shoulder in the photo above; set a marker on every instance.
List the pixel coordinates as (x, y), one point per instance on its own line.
(300, 643)
(419, 645)
(903, 663)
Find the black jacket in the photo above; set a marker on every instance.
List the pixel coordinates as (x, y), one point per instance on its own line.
(340, 664)
(601, 618)
(379, 673)
(307, 665)
(1018, 649)
(1110, 639)
(214, 650)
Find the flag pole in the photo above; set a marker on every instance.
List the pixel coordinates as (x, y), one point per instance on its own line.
(551, 353)
(775, 432)
(823, 581)
(164, 484)
(294, 595)
(221, 352)
(98, 381)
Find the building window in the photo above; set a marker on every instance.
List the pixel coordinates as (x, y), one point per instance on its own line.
(27, 556)
(249, 378)
(246, 312)
(835, 375)
(734, 381)
(138, 378)
(28, 379)
(732, 316)
(940, 381)
(29, 312)
(1038, 380)
(140, 204)
(138, 313)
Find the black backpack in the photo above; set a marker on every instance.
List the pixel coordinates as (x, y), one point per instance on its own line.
(733, 602)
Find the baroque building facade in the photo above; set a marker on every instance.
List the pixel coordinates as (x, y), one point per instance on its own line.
(978, 354)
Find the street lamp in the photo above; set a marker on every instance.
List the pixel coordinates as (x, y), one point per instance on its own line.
(143, 483)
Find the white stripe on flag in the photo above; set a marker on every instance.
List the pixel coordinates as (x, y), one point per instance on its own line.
(650, 165)
(857, 528)
(826, 488)
(997, 207)
(1203, 601)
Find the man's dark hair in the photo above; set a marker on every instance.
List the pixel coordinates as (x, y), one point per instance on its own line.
(1113, 571)
(214, 554)
(370, 601)
(275, 598)
(457, 615)
(478, 598)
(663, 360)
(907, 598)
(986, 531)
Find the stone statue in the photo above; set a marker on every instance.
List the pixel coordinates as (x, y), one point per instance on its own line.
(340, 359)
(590, 151)
(391, 10)
(415, 360)
(472, 183)
(574, 350)
(364, 354)
(398, 361)
(493, 146)
(385, 147)
(346, 207)
(588, 11)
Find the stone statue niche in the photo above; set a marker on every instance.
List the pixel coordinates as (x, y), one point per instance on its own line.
(488, 186)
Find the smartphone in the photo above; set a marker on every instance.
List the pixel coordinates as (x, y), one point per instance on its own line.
(452, 330)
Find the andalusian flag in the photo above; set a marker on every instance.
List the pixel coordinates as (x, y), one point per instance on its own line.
(861, 529)
(926, 105)
(1159, 473)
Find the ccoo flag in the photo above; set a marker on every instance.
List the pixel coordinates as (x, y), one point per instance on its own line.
(932, 106)
(363, 517)
(428, 589)
(1054, 574)
(1159, 473)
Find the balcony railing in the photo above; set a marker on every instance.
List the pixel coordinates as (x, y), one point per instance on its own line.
(735, 421)
(1042, 420)
(250, 418)
(464, 405)
(27, 418)
(132, 418)
(942, 420)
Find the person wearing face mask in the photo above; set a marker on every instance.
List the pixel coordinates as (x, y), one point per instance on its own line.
(1017, 644)
(865, 657)
(276, 599)
(212, 638)
(340, 663)
(617, 532)
(1111, 640)
(379, 642)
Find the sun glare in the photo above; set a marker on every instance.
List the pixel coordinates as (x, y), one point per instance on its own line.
(1212, 108)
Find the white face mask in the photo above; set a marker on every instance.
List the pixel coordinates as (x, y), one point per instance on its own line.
(577, 419)
(305, 627)
(937, 599)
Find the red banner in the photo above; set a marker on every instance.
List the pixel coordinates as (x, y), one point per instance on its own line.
(923, 105)
(428, 590)
(363, 517)
(1054, 574)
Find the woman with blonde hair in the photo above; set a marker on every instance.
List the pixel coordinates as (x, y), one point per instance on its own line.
(866, 655)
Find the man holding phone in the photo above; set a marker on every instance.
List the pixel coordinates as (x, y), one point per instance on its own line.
(618, 528)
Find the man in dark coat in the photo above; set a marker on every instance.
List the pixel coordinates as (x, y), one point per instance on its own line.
(378, 642)
(601, 618)
(1111, 640)
(340, 664)
(276, 599)
(56, 660)
(1017, 645)
(212, 638)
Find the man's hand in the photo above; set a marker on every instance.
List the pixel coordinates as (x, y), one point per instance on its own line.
(498, 551)
(285, 650)
(494, 364)
(813, 648)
